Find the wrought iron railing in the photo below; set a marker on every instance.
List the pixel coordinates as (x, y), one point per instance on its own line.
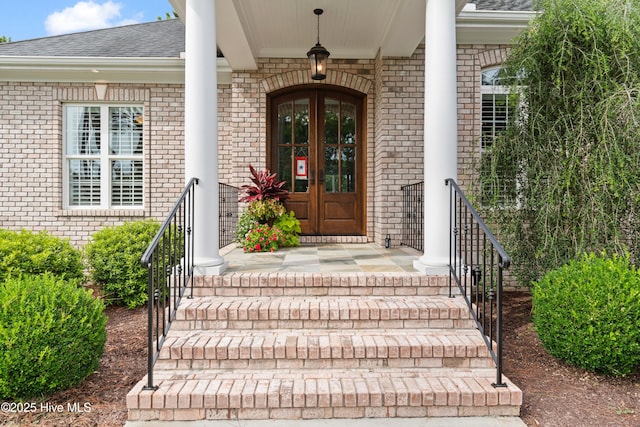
(228, 196)
(476, 263)
(169, 261)
(413, 215)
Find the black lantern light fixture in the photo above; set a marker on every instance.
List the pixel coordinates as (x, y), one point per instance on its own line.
(318, 55)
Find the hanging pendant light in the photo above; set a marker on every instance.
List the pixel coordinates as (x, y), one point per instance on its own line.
(318, 55)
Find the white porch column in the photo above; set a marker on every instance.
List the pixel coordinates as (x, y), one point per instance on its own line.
(201, 131)
(440, 132)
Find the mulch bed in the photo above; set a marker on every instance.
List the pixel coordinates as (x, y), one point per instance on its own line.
(554, 394)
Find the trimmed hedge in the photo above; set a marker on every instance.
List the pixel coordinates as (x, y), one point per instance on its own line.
(52, 335)
(113, 257)
(587, 313)
(35, 253)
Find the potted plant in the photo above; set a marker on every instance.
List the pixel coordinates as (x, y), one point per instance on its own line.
(266, 225)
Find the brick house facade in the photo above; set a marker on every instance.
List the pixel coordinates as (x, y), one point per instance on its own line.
(32, 128)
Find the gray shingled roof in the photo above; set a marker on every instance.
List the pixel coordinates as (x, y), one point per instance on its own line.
(503, 4)
(163, 39)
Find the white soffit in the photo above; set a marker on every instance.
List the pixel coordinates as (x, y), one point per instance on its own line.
(348, 28)
(353, 29)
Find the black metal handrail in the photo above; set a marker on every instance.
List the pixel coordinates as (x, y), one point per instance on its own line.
(169, 260)
(413, 215)
(228, 197)
(477, 262)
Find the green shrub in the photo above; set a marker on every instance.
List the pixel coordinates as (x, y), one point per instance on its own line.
(290, 226)
(52, 334)
(587, 313)
(35, 253)
(114, 255)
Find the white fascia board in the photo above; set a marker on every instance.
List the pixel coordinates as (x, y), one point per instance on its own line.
(491, 27)
(91, 70)
(232, 37)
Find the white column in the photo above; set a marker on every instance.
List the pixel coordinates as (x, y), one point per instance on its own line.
(201, 131)
(440, 132)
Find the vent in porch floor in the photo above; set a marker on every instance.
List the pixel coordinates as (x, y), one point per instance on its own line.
(320, 345)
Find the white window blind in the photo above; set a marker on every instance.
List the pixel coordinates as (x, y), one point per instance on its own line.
(87, 156)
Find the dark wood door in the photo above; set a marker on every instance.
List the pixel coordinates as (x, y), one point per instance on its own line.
(317, 147)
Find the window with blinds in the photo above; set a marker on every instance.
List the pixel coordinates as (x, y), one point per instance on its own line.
(103, 156)
(498, 181)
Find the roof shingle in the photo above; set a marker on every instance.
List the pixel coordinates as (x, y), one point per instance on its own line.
(162, 39)
(503, 4)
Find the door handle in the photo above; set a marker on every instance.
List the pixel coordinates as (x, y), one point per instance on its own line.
(312, 176)
(321, 176)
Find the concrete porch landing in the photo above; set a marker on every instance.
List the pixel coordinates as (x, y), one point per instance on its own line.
(323, 258)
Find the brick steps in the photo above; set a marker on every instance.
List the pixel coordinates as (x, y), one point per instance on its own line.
(322, 349)
(318, 345)
(298, 394)
(323, 312)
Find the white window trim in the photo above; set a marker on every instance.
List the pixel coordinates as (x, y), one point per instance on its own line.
(492, 90)
(103, 157)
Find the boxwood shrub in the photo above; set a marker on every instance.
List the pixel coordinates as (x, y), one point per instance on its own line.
(35, 253)
(587, 313)
(113, 257)
(52, 334)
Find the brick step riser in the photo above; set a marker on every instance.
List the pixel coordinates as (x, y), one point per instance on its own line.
(323, 312)
(418, 396)
(200, 414)
(319, 284)
(323, 351)
(320, 309)
(318, 291)
(185, 325)
(258, 364)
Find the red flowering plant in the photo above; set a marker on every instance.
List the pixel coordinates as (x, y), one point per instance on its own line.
(262, 239)
(266, 225)
(266, 186)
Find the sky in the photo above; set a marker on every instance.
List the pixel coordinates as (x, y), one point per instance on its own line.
(29, 19)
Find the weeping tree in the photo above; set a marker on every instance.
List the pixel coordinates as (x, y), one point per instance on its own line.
(574, 146)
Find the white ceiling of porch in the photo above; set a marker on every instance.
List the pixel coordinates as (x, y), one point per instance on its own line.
(249, 29)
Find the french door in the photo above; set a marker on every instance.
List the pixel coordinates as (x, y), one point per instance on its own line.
(317, 147)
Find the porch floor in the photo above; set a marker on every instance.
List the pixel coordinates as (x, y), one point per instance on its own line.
(323, 258)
